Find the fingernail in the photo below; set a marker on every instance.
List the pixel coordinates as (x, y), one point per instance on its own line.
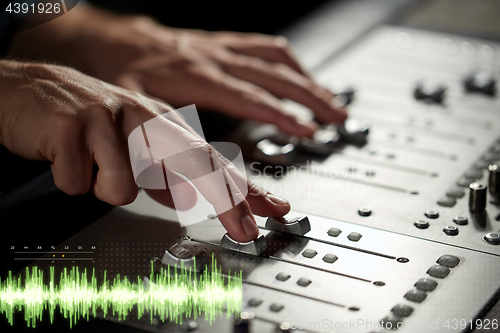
(277, 200)
(249, 225)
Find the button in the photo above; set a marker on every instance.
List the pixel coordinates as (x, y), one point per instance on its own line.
(429, 92)
(455, 192)
(276, 307)
(255, 302)
(421, 224)
(477, 197)
(304, 282)
(282, 276)
(460, 220)
(447, 202)
(451, 230)
(334, 232)
(401, 310)
(474, 174)
(354, 236)
(354, 131)
(189, 325)
(426, 284)
(482, 82)
(181, 257)
(255, 247)
(432, 214)
(330, 258)
(416, 295)
(492, 238)
(464, 182)
(448, 261)
(391, 323)
(290, 225)
(309, 253)
(438, 271)
(364, 211)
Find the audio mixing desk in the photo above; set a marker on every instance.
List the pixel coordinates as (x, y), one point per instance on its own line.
(395, 220)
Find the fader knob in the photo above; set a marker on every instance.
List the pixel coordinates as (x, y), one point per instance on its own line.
(255, 247)
(494, 180)
(481, 82)
(290, 225)
(477, 197)
(430, 92)
(180, 257)
(354, 131)
(273, 153)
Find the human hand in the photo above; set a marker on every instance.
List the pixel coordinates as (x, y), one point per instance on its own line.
(58, 114)
(243, 75)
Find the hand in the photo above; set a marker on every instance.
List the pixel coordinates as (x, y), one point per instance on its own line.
(243, 75)
(58, 114)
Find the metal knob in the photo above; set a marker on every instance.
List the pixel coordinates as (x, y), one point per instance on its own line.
(290, 225)
(242, 324)
(255, 247)
(494, 180)
(180, 257)
(477, 197)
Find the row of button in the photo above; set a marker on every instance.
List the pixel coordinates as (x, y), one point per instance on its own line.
(353, 236)
(423, 285)
(328, 258)
(303, 282)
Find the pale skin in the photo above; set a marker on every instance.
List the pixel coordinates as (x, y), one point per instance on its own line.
(131, 66)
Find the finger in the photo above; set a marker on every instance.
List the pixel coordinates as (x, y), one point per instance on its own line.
(262, 202)
(284, 82)
(186, 196)
(245, 100)
(72, 168)
(274, 49)
(186, 154)
(114, 182)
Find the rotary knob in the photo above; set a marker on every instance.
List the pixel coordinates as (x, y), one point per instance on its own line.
(481, 82)
(290, 225)
(477, 197)
(430, 92)
(255, 247)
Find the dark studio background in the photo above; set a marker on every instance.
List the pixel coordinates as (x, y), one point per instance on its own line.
(44, 216)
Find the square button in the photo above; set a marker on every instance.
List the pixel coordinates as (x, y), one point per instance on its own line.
(354, 236)
(426, 284)
(254, 302)
(416, 295)
(448, 261)
(334, 232)
(401, 310)
(304, 282)
(276, 307)
(330, 258)
(282, 276)
(309, 253)
(438, 271)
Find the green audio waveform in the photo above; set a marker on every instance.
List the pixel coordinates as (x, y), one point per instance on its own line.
(167, 296)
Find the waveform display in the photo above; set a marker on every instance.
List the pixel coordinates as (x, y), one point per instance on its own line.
(169, 294)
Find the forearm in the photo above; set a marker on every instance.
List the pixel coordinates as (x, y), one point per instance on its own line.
(64, 40)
